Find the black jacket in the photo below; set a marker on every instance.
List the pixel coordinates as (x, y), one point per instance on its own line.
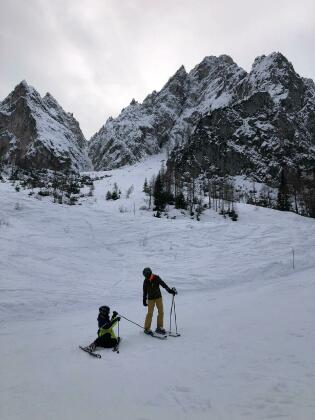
(151, 287)
(105, 322)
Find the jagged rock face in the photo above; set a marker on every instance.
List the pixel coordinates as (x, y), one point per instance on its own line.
(140, 129)
(269, 125)
(37, 133)
(219, 117)
(210, 85)
(274, 74)
(167, 117)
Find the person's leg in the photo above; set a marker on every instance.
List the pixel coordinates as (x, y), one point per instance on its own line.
(105, 341)
(160, 317)
(148, 318)
(110, 343)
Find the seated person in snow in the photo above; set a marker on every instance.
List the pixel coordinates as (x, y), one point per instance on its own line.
(106, 336)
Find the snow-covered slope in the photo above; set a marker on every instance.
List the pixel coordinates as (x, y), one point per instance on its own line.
(246, 316)
(36, 132)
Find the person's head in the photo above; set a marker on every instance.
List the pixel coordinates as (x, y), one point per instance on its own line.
(104, 310)
(147, 272)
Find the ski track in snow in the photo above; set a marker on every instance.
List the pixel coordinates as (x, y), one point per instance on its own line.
(246, 317)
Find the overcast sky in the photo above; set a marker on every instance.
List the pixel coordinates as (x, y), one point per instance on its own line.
(94, 56)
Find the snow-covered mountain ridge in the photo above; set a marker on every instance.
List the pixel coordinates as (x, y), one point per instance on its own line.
(166, 117)
(36, 132)
(217, 114)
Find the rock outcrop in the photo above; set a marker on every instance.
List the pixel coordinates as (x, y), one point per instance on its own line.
(267, 127)
(36, 132)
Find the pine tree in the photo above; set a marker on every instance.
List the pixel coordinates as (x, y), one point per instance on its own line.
(158, 194)
(199, 209)
(180, 202)
(145, 186)
(283, 200)
(308, 193)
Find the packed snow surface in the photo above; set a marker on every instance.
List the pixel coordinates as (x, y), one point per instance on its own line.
(245, 314)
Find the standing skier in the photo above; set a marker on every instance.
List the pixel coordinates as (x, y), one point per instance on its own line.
(106, 336)
(152, 296)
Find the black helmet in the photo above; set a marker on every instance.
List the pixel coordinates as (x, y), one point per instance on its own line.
(104, 310)
(147, 272)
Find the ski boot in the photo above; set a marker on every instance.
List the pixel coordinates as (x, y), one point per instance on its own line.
(160, 330)
(91, 347)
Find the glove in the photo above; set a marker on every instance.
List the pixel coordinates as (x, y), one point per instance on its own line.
(173, 291)
(115, 314)
(118, 319)
(145, 302)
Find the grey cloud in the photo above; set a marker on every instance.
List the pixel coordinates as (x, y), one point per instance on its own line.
(95, 56)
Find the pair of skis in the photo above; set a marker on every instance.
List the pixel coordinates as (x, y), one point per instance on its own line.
(156, 335)
(163, 336)
(170, 333)
(173, 334)
(97, 355)
(116, 348)
(92, 353)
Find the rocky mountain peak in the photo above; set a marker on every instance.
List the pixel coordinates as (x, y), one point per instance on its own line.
(173, 92)
(180, 73)
(22, 91)
(274, 67)
(210, 65)
(274, 59)
(36, 132)
(226, 58)
(275, 74)
(23, 88)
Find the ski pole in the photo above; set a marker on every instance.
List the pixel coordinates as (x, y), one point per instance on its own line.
(175, 316)
(131, 321)
(118, 341)
(173, 308)
(171, 313)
